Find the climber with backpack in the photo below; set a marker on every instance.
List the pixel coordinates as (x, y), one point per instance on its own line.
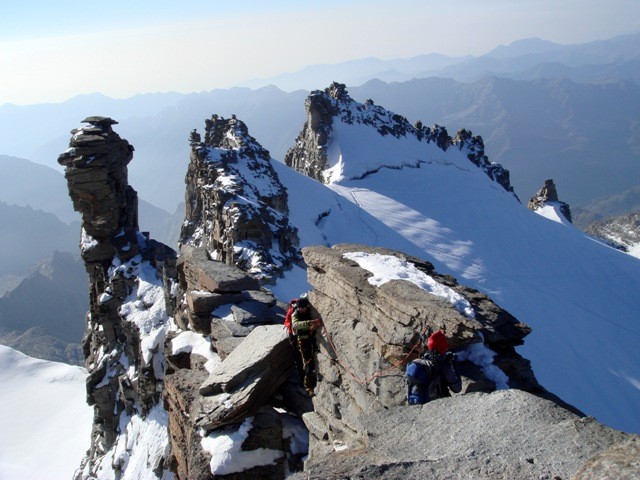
(293, 338)
(302, 320)
(432, 376)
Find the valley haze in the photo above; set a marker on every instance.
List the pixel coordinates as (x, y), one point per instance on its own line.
(50, 52)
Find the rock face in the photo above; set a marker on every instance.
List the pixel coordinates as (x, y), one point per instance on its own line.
(236, 206)
(253, 376)
(243, 322)
(621, 232)
(309, 155)
(548, 195)
(127, 320)
(505, 434)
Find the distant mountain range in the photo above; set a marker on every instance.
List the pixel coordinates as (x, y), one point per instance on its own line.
(42, 189)
(539, 118)
(29, 236)
(533, 58)
(611, 206)
(43, 316)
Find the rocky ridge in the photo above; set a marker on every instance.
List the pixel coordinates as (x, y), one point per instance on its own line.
(506, 434)
(501, 425)
(309, 155)
(236, 237)
(548, 196)
(384, 325)
(228, 367)
(621, 232)
(238, 379)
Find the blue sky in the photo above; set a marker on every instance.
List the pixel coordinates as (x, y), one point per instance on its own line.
(51, 51)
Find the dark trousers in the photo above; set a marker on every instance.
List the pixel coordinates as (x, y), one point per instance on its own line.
(306, 348)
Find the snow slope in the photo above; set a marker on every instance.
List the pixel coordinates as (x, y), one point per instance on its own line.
(45, 422)
(578, 295)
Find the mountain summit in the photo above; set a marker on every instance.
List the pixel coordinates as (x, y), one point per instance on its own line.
(325, 151)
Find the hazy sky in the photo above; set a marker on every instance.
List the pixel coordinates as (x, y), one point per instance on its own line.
(53, 50)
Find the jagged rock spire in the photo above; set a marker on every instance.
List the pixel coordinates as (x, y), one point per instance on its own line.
(96, 170)
(475, 152)
(236, 206)
(548, 195)
(127, 320)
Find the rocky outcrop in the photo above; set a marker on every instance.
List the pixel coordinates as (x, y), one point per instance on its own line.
(548, 196)
(309, 155)
(241, 323)
(502, 424)
(127, 320)
(220, 300)
(474, 146)
(324, 108)
(236, 206)
(372, 331)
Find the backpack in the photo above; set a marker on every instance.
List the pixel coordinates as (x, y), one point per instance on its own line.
(287, 318)
(422, 376)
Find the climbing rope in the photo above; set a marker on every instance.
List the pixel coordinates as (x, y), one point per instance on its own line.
(380, 373)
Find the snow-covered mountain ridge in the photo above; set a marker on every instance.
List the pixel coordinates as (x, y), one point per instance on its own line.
(332, 111)
(235, 205)
(445, 209)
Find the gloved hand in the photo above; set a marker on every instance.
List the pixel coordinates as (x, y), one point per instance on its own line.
(450, 357)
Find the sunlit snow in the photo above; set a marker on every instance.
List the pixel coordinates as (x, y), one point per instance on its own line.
(388, 267)
(227, 456)
(46, 422)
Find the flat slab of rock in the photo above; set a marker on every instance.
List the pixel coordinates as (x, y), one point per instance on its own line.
(245, 379)
(203, 302)
(202, 273)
